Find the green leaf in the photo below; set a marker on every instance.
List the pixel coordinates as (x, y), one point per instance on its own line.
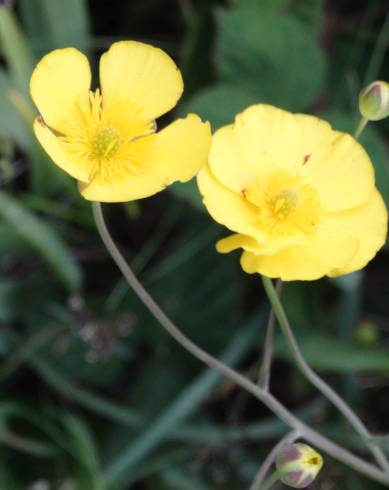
(16, 49)
(8, 480)
(195, 57)
(263, 5)
(16, 118)
(273, 56)
(11, 124)
(53, 24)
(220, 103)
(333, 356)
(85, 398)
(309, 11)
(43, 239)
(189, 192)
(8, 303)
(84, 454)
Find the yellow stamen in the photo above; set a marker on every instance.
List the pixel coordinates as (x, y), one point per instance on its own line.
(285, 203)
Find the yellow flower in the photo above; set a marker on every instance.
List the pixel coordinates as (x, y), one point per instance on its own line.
(299, 196)
(107, 140)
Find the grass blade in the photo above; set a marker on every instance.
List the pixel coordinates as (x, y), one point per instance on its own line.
(43, 239)
(181, 408)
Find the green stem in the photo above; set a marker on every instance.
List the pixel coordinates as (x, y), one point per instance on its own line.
(361, 126)
(270, 459)
(267, 484)
(265, 369)
(265, 397)
(320, 384)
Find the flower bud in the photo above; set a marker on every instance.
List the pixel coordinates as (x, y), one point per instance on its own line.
(298, 465)
(374, 101)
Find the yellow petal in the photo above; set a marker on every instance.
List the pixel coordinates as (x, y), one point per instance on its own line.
(124, 189)
(262, 139)
(304, 262)
(272, 245)
(367, 224)
(141, 75)
(178, 152)
(52, 147)
(59, 87)
(336, 164)
(227, 207)
(235, 241)
(174, 154)
(290, 264)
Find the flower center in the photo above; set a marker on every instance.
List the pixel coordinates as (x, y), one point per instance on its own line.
(106, 143)
(284, 203)
(287, 204)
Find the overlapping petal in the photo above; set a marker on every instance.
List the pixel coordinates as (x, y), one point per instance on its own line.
(60, 87)
(140, 74)
(289, 264)
(106, 140)
(177, 152)
(227, 207)
(368, 225)
(233, 242)
(300, 196)
(304, 262)
(174, 154)
(53, 148)
(262, 139)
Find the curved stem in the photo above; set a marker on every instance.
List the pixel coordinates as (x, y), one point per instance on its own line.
(320, 384)
(270, 481)
(263, 470)
(266, 398)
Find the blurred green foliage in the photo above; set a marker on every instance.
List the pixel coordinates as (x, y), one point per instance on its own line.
(94, 395)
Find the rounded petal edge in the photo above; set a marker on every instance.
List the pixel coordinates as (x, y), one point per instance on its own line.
(369, 225)
(59, 86)
(142, 74)
(120, 190)
(233, 242)
(290, 264)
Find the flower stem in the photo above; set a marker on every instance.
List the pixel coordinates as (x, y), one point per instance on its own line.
(361, 126)
(270, 481)
(265, 369)
(260, 476)
(312, 436)
(320, 384)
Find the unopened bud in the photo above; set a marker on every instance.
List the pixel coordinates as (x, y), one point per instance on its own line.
(374, 101)
(298, 465)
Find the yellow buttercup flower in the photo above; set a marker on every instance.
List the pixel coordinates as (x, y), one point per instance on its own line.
(299, 196)
(107, 140)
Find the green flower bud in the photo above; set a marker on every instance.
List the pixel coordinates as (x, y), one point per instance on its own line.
(367, 334)
(374, 101)
(298, 465)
